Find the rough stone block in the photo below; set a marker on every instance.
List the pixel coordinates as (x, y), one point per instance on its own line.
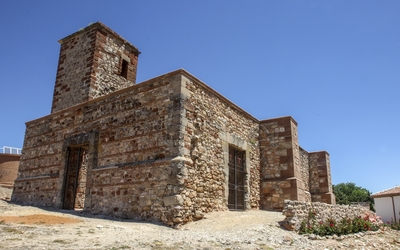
(173, 200)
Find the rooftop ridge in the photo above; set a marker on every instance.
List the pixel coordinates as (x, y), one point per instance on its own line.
(387, 192)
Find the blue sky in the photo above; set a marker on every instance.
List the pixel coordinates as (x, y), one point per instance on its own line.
(332, 65)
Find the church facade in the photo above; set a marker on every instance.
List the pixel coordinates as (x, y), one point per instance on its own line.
(168, 149)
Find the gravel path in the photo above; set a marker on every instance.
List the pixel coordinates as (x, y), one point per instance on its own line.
(220, 230)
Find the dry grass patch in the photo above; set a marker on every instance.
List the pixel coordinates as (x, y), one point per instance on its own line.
(38, 219)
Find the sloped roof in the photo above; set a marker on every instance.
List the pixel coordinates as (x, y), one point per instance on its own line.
(387, 193)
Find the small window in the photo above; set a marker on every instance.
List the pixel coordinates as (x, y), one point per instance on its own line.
(124, 69)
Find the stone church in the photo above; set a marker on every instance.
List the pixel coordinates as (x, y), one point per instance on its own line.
(168, 149)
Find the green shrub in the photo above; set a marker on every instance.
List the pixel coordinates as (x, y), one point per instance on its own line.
(394, 225)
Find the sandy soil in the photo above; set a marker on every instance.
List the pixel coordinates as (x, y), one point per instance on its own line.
(26, 227)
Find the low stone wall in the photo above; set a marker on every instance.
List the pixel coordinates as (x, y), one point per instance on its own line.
(296, 212)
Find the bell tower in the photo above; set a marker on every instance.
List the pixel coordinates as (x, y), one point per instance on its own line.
(93, 62)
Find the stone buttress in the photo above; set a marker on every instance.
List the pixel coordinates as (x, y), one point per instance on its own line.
(288, 172)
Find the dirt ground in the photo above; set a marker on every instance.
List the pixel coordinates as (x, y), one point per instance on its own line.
(26, 227)
(38, 219)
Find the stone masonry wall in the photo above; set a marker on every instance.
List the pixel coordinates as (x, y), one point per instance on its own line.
(211, 123)
(159, 150)
(305, 172)
(133, 137)
(320, 178)
(281, 177)
(296, 212)
(90, 66)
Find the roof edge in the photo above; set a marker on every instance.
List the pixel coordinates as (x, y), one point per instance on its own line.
(206, 86)
(178, 71)
(279, 118)
(137, 85)
(390, 192)
(100, 26)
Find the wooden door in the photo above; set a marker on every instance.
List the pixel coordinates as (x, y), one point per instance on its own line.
(75, 178)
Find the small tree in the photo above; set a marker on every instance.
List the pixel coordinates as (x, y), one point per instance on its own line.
(346, 193)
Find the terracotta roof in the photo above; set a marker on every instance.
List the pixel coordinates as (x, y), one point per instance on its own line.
(387, 193)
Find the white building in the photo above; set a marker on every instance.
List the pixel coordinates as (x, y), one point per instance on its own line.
(387, 204)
